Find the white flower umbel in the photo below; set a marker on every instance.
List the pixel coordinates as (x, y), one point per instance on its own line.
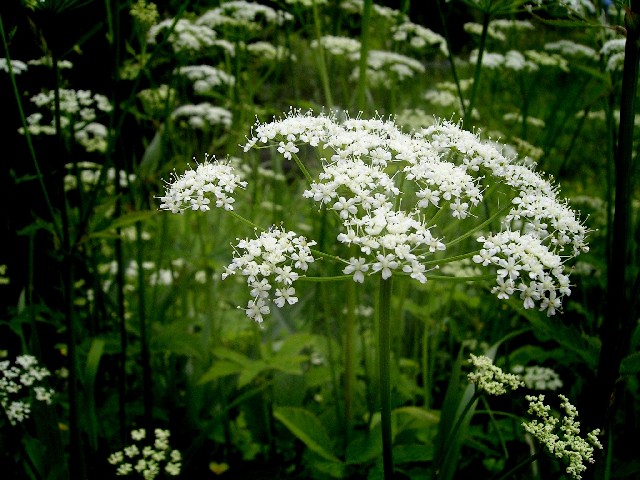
(561, 436)
(392, 191)
(537, 377)
(195, 189)
(490, 379)
(147, 459)
(21, 383)
(271, 263)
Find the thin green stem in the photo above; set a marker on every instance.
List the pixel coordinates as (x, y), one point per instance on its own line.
(349, 357)
(524, 463)
(384, 361)
(364, 54)
(27, 134)
(478, 227)
(302, 168)
(322, 64)
(478, 69)
(452, 62)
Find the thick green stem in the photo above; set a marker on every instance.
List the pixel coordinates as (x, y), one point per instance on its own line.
(349, 357)
(384, 361)
(618, 322)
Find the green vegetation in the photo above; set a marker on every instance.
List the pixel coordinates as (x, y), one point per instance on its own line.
(316, 239)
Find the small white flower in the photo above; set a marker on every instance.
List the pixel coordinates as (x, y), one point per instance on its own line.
(358, 267)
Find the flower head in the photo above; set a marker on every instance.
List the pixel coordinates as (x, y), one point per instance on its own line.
(491, 379)
(195, 189)
(388, 188)
(148, 460)
(22, 383)
(271, 262)
(561, 436)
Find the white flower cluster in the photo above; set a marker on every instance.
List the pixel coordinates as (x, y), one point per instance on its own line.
(17, 66)
(384, 68)
(206, 78)
(272, 259)
(491, 379)
(497, 28)
(186, 35)
(419, 37)
(613, 53)
(538, 378)
(529, 61)
(192, 189)
(20, 383)
(339, 46)
(89, 174)
(245, 15)
(47, 61)
(201, 116)
(148, 461)
(571, 48)
(561, 436)
(79, 110)
(266, 52)
(377, 10)
(385, 185)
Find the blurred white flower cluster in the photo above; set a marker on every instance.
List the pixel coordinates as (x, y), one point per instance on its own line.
(150, 460)
(79, 110)
(21, 383)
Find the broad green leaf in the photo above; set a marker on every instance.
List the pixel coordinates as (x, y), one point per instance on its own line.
(228, 354)
(412, 453)
(308, 429)
(292, 344)
(175, 339)
(220, 368)
(123, 221)
(367, 446)
(630, 364)
(251, 371)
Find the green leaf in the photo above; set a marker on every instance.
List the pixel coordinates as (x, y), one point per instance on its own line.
(308, 429)
(412, 453)
(109, 231)
(90, 373)
(251, 371)
(630, 364)
(365, 447)
(228, 354)
(175, 339)
(220, 368)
